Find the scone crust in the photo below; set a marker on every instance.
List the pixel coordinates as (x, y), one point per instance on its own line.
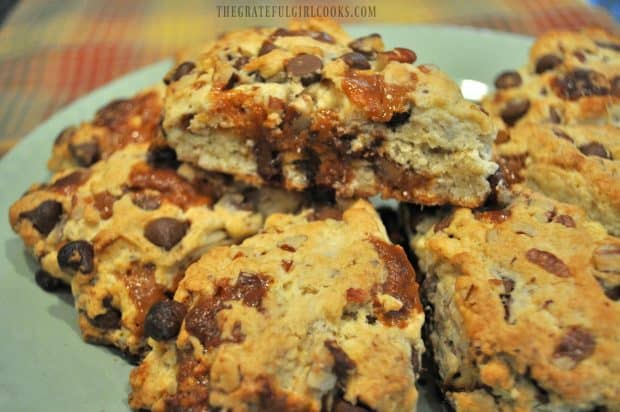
(321, 325)
(525, 306)
(370, 124)
(573, 164)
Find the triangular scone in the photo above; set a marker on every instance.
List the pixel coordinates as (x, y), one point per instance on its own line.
(571, 78)
(123, 231)
(523, 307)
(302, 107)
(317, 312)
(573, 164)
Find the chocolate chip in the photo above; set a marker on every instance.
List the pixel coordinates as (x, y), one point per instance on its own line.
(508, 79)
(343, 364)
(368, 44)
(562, 135)
(146, 201)
(110, 319)
(65, 135)
(398, 119)
(565, 220)
(77, 255)
(595, 149)
(166, 232)
(580, 83)
(46, 281)
(613, 293)
(232, 80)
(608, 45)
(266, 47)
(549, 262)
(576, 344)
(547, 62)
(181, 70)
(554, 115)
(304, 65)
(186, 120)
(511, 167)
(514, 110)
(356, 60)
(340, 405)
(44, 217)
(615, 86)
(580, 56)
(240, 62)
(496, 183)
(162, 157)
(164, 320)
(268, 162)
(85, 154)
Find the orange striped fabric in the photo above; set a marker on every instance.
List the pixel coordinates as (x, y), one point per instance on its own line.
(53, 51)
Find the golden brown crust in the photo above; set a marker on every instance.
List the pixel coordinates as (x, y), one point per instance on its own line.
(574, 164)
(301, 315)
(525, 302)
(308, 106)
(115, 125)
(571, 78)
(122, 232)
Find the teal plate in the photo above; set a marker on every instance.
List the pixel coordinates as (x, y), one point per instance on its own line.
(44, 365)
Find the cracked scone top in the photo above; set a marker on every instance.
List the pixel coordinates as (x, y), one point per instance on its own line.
(575, 164)
(122, 232)
(571, 78)
(309, 106)
(525, 307)
(317, 312)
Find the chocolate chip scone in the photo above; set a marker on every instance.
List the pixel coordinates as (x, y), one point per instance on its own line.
(574, 164)
(571, 78)
(117, 124)
(123, 231)
(317, 312)
(308, 106)
(524, 307)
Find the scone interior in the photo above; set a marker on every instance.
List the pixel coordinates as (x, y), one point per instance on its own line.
(308, 106)
(524, 307)
(316, 312)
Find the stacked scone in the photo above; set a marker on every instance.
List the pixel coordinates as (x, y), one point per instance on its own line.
(216, 228)
(522, 293)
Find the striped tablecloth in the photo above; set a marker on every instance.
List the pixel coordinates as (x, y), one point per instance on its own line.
(53, 51)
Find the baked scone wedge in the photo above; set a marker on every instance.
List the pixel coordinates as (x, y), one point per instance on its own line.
(573, 164)
(523, 307)
(309, 106)
(317, 312)
(121, 122)
(123, 231)
(571, 78)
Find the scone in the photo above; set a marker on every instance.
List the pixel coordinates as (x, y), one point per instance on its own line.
(123, 231)
(121, 122)
(573, 164)
(308, 106)
(571, 78)
(317, 312)
(524, 307)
